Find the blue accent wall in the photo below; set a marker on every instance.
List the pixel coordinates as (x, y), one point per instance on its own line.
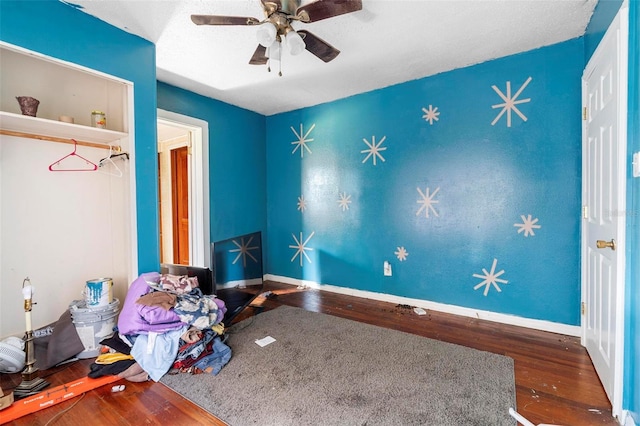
(58, 30)
(477, 195)
(237, 170)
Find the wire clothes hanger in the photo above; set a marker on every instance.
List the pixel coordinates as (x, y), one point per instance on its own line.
(109, 161)
(86, 166)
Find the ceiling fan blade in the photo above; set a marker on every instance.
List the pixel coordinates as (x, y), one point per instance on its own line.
(318, 46)
(323, 9)
(222, 20)
(266, 6)
(259, 56)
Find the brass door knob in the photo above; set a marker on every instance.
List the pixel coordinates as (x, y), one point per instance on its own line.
(604, 244)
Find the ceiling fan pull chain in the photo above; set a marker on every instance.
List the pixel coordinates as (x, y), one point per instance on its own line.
(268, 53)
(280, 61)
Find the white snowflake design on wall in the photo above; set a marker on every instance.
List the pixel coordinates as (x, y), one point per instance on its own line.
(431, 114)
(302, 203)
(401, 254)
(374, 149)
(510, 102)
(490, 278)
(527, 225)
(426, 202)
(303, 139)
(344, 201)
(301, 247)
(244, 250)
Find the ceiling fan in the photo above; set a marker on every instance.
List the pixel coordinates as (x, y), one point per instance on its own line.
(276, 27)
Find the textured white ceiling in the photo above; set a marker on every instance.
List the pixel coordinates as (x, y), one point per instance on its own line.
(387, 42)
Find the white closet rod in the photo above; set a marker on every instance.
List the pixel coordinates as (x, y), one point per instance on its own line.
(114, 148)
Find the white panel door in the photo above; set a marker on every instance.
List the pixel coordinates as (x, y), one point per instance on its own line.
(604, 148)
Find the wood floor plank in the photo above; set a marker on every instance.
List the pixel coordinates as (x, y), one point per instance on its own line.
(555, 380)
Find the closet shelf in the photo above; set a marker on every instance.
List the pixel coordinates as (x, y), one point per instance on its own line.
(58, 131)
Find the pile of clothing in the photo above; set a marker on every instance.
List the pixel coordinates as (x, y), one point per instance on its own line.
(166, 325)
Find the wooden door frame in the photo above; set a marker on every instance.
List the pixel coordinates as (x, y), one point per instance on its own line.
(199, 220)
(618, 369)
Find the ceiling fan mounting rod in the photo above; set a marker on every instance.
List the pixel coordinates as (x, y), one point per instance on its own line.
(271, 8)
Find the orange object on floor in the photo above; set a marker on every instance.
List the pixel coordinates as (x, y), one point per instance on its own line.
(50, 397)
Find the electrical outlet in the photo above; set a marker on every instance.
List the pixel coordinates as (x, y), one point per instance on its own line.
(387, 269)
(636, 164)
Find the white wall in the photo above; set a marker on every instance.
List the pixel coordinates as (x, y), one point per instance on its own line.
(60, 229)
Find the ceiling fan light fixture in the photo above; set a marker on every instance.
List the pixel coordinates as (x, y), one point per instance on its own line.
(266, 34)
(274, 51)
(295, 43)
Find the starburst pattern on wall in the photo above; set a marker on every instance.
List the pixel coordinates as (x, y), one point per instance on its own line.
(302, 203)
(510, 102)
(527, 225)
(374, 149)
(301, 247)
(344, 201)
(401, 253)
(303, 140)
(426, 202)
(431, 114)
(244, 249)
(490, 278)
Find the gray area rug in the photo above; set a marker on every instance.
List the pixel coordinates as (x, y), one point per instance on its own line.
(325, 370)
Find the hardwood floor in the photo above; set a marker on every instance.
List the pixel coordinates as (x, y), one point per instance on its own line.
(555, 380)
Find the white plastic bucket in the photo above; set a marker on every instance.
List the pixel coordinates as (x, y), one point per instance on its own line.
(98, 292)
(93, 325)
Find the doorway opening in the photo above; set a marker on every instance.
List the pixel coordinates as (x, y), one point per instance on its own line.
(183, 189)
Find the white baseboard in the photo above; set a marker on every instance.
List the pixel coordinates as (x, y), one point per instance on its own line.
(553, 327)
(240, 283)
